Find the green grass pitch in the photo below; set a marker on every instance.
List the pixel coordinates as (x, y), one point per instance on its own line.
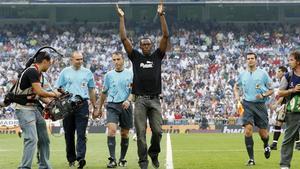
(190, 151)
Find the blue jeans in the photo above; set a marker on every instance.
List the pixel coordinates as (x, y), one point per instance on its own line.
(34, 131)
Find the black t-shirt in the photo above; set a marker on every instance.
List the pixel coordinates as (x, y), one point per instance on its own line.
(146, 72)
(31, 75)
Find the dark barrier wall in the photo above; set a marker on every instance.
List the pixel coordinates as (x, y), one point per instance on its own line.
(105, 13)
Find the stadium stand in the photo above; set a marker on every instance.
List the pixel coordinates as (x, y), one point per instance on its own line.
(198, 74)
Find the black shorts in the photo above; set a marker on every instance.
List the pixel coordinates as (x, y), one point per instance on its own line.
(255, 113)
(116, 114)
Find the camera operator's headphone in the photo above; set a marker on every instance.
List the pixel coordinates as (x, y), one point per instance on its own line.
(22, 99)
(33, 58)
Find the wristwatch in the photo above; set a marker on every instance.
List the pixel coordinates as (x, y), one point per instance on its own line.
(163, 13)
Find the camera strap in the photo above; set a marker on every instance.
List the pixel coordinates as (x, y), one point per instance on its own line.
(23, 99)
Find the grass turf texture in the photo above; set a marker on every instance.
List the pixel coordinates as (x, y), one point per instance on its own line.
(190, 151)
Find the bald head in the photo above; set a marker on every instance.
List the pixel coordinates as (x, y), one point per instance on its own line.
(77, 59)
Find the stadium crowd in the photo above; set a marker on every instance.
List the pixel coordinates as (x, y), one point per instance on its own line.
(198, 74)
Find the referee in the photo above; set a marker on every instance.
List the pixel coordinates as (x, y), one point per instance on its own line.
(116, 90)
(256, 86)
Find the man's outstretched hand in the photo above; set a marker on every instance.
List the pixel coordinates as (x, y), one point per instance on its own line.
(160, 8)
(120, 11)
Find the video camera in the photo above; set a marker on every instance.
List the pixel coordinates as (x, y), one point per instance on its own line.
(62, 106)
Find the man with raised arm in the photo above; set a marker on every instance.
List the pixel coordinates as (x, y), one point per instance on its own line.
(147, 88)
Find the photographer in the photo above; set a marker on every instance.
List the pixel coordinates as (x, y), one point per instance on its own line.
(290, 88)
(77, 80)
(30, 119)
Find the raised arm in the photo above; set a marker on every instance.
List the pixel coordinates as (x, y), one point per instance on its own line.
(164, 27)
(126, 42)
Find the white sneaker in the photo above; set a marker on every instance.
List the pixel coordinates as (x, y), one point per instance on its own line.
(134, 137)
(284, 167)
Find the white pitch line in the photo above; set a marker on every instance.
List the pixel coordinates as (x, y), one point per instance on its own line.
(169, 159)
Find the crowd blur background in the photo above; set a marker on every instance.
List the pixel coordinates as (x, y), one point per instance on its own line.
(207, 50)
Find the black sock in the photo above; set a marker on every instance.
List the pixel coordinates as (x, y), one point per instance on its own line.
(277, 133)
(111, 143)
(265, 140)
(124, 147)
(249, 146)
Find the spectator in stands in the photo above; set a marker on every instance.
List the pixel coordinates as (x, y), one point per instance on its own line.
(192, 43)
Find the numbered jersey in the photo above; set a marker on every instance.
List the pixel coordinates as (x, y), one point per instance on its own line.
(294, 104)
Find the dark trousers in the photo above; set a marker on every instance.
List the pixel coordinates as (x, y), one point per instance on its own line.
(151, 109)
(76, 121)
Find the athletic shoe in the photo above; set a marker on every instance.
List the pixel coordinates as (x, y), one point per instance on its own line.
(297, 146)
(72, 165)
(155, 162)
(20, 133)
(143, 165)
(112, 163)
(251, 162)
(134, 137)
(81, 164)
(122, 163)
(38, 157)
(267, 152)
(273, 146)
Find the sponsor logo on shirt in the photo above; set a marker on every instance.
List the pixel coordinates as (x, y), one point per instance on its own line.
(147, 65)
